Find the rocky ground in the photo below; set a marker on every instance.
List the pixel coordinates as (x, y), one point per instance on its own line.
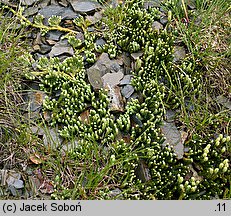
(93, 81)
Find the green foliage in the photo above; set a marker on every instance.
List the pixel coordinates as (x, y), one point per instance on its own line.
(110, 147)
(54, 20)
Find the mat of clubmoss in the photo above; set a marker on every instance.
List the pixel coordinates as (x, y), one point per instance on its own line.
(104, 89)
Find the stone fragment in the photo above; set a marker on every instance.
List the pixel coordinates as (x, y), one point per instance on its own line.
(56, 10)
(179, 53)
(112, 79)
(191, 4)
(82, 6)
(53, 35)
(80, 36)
(173, 138)
(44, 49)
(63, 3)
(116, 193)
(164, 20)
(50, 42)
(90, 29)
(28, 2)
(61, 47)
(126, 80)
(152, 3)
(170, 115)
(11, 178)
(95, 18)
(33, 100)
(136, 120)
(116, 101)
(94, 76)
(157, 26)
(136, 55)
(106, 65)
(127, 91)
(37, 130)
(70, 145)
(100, 42)
(224, 101)
(143, 172)
(30, 11)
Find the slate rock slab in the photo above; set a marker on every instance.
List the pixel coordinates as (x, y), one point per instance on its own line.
(116, 193)
(126, 80)
(136, 55)
(61, 47)
(170, 115)
(54, 35)
(127, 91)
(152, 3)
(106, 64)
(95, 18)
(94, 76)
(11, 178)
(30, 11)
(33, 101)
(29, 2)
(82, 6)
(56, 10)
(116, 101)
(100, 42)
(179, 53)
(164, 20)
(143, 172)
(173, 138)
(224, 101)
(112, 79)
(157, 26)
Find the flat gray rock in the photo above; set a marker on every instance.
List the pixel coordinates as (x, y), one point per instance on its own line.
(100, 42)
(29, 2)
(116, 193)
(56, 10)
(94, 76)
(44, 49)
(224, 101)
(126, 80)
(82, 6)
(70, 145)
(179, 53)
(61, 47)
(157, 26)
(143, 172)
(106, 64)
(63, 3)
(18, 184)
(33, 100)
(95, 18)
(170, 115)
(152, 3)
(127, 91)
(164, 20)
(173, 138)
(112, 79)
(37, 130)
(11, 178)
(30, 11)
(136, 55)
(53, 35)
